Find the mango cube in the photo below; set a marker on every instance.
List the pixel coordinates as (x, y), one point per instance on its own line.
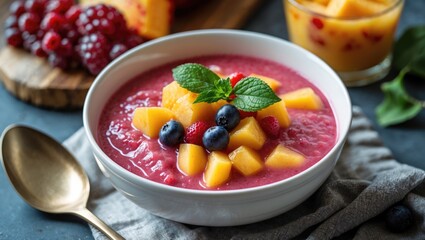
(217, 105)
(188, 112)
(279, 111)
(171, 93)
(248, 133)
(218, 169)
(150, 18)
(317, 6)
(282, 157)
(149, 120)
(273, 83)
(354, 8)
(192, 159)
(303, 98)
(246, 160)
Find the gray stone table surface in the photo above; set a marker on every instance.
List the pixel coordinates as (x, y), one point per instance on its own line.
(19, 221)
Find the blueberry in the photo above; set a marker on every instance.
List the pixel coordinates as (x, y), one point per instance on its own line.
(215, 138)
(171, 133)
(398, 218)
(227, 116)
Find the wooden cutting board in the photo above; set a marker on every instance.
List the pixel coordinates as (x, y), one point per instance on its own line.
(31, 79)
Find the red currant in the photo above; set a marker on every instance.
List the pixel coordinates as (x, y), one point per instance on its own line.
(17, 8)
(51, 41)
(29, 22)
(13, 37)
(52, 21)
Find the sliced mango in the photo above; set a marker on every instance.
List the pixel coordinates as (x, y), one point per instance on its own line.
(303, 98)
(279, 111)
(248, 133)
(273, 83)
(218, 169)
(218, 104)
(283, 157)
(149, 120)
(188, 112)
(171, 93)
(192, 159)
(246, 160)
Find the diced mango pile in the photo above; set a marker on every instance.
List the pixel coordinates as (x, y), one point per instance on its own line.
(347, 8)
(244, 140)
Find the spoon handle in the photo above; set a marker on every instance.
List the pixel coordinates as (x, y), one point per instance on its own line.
(99, 224)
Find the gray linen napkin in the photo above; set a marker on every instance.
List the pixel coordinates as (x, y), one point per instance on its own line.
(365, 182)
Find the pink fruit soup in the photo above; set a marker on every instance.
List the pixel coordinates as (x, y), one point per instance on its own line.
(311, 133)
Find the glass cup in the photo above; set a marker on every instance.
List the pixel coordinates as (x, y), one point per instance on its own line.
(355, 37)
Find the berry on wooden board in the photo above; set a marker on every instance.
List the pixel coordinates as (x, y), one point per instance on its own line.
(58, 30)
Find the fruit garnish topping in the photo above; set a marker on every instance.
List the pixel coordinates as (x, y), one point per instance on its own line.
(251, 93)
(270, 126)
(216, 138)
(195, 132)
(235, 78)
(172, 133)
(227, 116)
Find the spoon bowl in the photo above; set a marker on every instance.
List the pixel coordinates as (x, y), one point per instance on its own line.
(46, 175)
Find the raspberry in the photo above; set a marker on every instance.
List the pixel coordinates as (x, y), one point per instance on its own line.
(235, 78)
(132, 40)
(73, 13)
(94, 52)
(195, 132)
(270, 126)
(102, 18)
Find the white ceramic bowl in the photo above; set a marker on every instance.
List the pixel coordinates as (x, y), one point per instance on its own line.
(217, 208)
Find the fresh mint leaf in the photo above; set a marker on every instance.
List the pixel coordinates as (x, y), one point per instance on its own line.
(397, 106)
(253, 94)
(195, 77)
(222, 90)
(208, 96)
(250, 94)
(409, 50)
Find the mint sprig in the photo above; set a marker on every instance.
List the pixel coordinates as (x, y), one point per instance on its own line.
(409, 57)
(250, 94)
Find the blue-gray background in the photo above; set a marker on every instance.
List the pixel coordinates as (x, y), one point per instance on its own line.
(20, 221)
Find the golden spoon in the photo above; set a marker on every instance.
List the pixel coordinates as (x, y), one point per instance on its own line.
(46, 175)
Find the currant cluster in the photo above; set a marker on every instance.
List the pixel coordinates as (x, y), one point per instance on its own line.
(68, 35)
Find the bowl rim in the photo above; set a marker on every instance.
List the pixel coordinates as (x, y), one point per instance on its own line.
(342, 130)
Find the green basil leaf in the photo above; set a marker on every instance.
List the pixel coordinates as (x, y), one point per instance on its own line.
(195, 77)
(397, 106)
(253, 94)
